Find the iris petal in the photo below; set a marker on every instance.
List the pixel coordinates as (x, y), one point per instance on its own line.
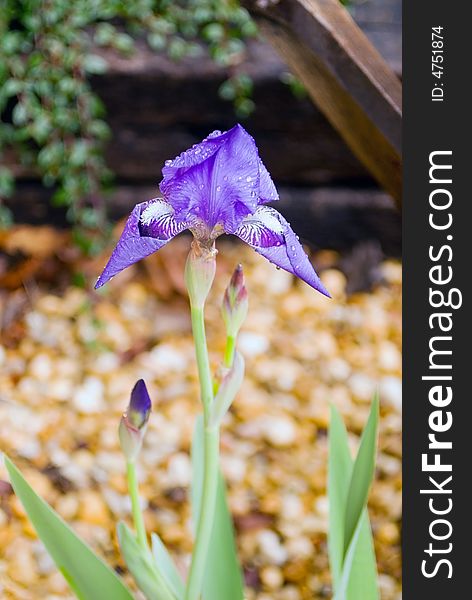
(141, 236)
(267, 190)
(269, 233)
(222, 187)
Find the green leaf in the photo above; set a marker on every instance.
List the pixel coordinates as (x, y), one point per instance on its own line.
(88, 576)
(93, 63)
(362, 580)
(141, 565)
(223, 578)
(354, 575)
(339, 475)
(166, 566)
(362, 474)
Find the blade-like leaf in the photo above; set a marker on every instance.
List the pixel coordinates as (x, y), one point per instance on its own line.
(165, 565)
(339, 475)
(141, 565)
(358, 579)
(341, 592)
(363, 573)
(223, 578)
(362, 474)
(88, 576)
(354, 577)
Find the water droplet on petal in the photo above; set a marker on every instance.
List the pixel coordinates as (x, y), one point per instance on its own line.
(292, 248)
(248, 178)
(218, 188)
(168, 163)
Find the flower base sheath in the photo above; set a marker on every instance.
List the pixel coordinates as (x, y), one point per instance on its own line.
(217, 186)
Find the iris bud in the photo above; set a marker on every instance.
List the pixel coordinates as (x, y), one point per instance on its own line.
(134, 421)
(235, 303)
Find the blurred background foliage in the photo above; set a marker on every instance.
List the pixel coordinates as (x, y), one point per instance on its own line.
(51, 118)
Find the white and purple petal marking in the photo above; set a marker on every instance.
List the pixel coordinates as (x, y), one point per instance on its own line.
(157, 220)
(142, 238)
(269, 233)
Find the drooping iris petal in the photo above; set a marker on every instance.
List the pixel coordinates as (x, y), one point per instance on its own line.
(269, 233)
(267, 190)
(221, 188)
(149, 227)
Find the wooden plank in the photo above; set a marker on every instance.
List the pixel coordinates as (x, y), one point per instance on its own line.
(345, 76)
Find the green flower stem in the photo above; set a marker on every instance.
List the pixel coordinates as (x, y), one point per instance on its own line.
(207, 513)
(135, 505)
(229, 351)
(211, 462)
(203, 362)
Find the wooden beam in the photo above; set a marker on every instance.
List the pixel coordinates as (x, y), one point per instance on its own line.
(344, 75)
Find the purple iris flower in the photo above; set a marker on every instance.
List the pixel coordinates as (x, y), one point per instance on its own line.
(217, 186)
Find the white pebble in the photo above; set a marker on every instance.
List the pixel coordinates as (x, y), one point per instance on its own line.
(280, 431)
(339, 369)
(362, 386)
(391, 392)
(41, 367)
(390, 358)
(88, 398)
(271, 548)
(252, 344)
(234, 468)
(322, 506)
(300, 547)
(60, 389)
(106, 363)
(179, 470)
(30, 449)
(292, 507)
(279, 282)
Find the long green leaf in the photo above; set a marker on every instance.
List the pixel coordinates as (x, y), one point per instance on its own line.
(362, 474)
(339, 475)
(354, 576)
(166, 566)
(223, 578)
(88, 576)
(141, 565)
(362, 578)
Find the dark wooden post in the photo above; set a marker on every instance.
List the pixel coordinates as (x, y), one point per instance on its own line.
(344, 75)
